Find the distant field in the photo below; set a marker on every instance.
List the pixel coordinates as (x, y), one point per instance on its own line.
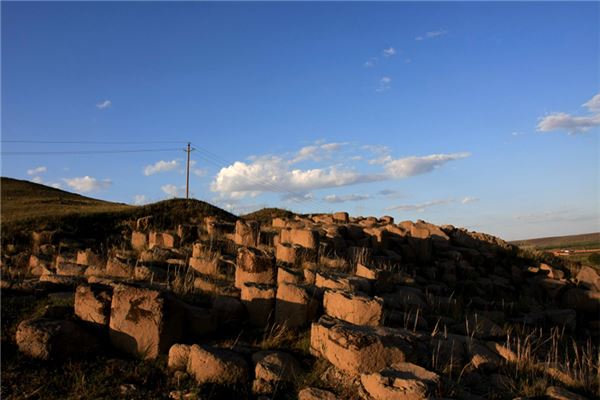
(583, 248)
(574, 242)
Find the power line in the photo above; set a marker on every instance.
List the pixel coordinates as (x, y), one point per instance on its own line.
(25, 153)
(89, 141)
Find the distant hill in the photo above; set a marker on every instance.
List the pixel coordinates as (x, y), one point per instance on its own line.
(573, 242)
(24, 200)
(28, 206)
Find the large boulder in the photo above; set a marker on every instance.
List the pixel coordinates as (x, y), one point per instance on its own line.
(272, 368)
(144, 322)
(247, 233)
(356, 308)
(259, 301)
(255, 266)
(401, 381)
(218, 366)
(588, 278)
(49, 339)
(92, 303)
(359, 349)
(295, 304)
(311, 393)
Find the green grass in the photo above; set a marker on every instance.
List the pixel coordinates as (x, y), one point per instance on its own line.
(573, 242)
(28, 206)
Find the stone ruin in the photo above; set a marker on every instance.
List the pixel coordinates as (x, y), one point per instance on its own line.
(369, 291)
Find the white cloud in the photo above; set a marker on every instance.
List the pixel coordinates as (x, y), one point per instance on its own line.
(565, 122)
(104, 104)
(469, 199)
(593, 104)
(389, 52)
(516, 134)
(140, 199)
(278, 174)
(333, 198)
(161, 166)
(37, 170)
(411, 166)
(37, 179)
(316, 152)
(56, 185)
(172, 191)
(275, 174)
(561, 121)
(87, 184)
(420, 207)
(385, 84)
(431, 35)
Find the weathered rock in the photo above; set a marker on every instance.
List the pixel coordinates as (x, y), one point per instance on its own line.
(162, 239)
(289, 275)
(247, 233)
(341, 217)
(482, 358)
(70, 269)
(179, 355)
(118, 269)
(89, 258)
(228, 310)
(359, 349)
(401, 381)
(355, 308)
(139, 240)
(558, 393)
(144, 322)
(272, 367)
(341, 282)
(295, 304)
(311, 393)
(207, 265)
(219, 366)
(581, 300)
(38, 265)
(254, 266)
(198, 321)
(405, 297)
(92, 303)
(588, 278)
(259, 301)
(48, 339)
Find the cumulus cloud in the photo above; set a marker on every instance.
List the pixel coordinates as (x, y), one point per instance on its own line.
(565, 122)
(411, 166)
(561, 121)
(421, 206)
(469, 199)
(104, 104)
(37, 170)
(389, 52)
(37, 179)
(334, 198)
(173, 191)
(275, 174)
(140, 199)
(87, 184)
(385, 84)
(593, 104)
(431, 35)
(278, 174)
(161, 166)
(317, 152)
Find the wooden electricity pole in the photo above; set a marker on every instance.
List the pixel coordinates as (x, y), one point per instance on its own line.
(187, 179)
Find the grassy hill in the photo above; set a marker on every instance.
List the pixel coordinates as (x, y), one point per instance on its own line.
(573, 242)
(28, 206)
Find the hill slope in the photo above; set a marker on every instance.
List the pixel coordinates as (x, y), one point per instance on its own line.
(587, 240)
(28, 206)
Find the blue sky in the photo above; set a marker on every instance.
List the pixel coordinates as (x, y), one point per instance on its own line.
(483, 115)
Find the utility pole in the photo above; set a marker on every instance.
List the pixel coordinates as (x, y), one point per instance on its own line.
(187, 179)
